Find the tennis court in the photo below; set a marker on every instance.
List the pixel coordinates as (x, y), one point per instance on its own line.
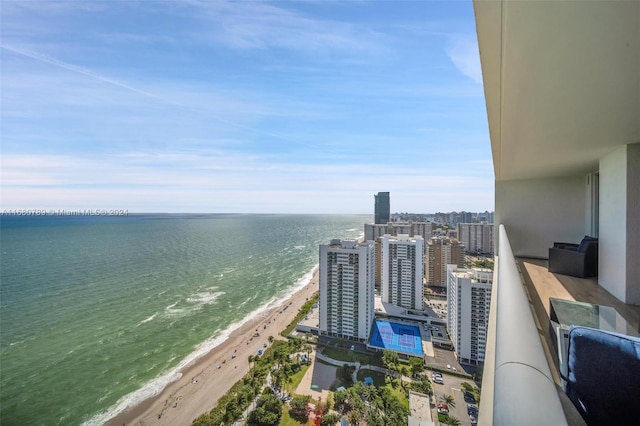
(396, 337)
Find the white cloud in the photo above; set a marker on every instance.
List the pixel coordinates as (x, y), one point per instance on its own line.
(464, 54)
(258, 25)
(219, 184)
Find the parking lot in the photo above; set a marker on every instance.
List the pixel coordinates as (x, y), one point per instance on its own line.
(453, 386)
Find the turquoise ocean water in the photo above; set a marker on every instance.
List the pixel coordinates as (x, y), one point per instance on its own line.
(99, 312)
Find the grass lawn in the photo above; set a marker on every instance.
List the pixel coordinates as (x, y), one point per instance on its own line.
(297, 378)
(348, 355)
(400, 394)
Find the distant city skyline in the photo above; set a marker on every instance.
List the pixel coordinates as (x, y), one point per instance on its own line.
(242, 107)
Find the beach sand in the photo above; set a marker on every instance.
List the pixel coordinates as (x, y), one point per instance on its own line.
(203, 383)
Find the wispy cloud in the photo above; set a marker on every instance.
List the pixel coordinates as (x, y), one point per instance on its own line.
(80, 70)
(260, 25)
(175, 106)
(463, 52)
(55, 181)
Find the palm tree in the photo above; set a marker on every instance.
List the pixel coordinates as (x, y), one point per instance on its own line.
(251, 359)
(448, 399)
(392, 361)
(307, 348)
(452, 421)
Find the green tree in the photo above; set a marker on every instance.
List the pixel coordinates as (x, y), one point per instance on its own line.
(450, 420)
(330, 403)
(390, 359)
(299, 408)
(346, 373)
(417, 365)
(307, 348)
(395, 412)
(374, 418)
(474, 390)
(342, 403)
(270, 339)
(448, 399)
(330, 419)
(267, 413)
(423, 386)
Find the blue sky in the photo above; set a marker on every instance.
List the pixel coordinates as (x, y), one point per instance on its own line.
(258, 107)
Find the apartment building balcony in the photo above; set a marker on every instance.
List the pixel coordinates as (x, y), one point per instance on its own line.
(562, 93)
(521, 381)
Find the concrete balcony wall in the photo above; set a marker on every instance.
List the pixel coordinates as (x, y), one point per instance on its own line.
(619, 246)
(517, 381)
(538, 212)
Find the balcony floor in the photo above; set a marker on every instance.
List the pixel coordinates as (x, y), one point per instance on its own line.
(540, 285)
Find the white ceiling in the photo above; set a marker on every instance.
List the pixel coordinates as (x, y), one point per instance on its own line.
(562, 83)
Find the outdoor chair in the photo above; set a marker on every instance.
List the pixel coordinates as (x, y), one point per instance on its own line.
(577, 260)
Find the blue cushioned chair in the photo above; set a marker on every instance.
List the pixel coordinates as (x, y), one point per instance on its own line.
(603, 380)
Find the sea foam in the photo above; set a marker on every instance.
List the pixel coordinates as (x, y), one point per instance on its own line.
(157, 385)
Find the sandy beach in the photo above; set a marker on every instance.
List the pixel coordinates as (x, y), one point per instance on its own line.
(212, 375)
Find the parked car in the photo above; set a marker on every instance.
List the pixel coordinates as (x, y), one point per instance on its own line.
(439, 380)
(442, 408)
(469, 398)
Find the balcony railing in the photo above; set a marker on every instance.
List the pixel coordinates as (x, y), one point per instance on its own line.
(518, 388)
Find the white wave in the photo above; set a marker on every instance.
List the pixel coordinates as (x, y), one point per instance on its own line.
(147, 320)
(279, 299)
(205, 298)
(151, 389)
(299, 247)
(155, 386)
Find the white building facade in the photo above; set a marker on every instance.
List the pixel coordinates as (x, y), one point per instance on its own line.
(476, 237)
(347, 277)
(468, 300)
(402, 271)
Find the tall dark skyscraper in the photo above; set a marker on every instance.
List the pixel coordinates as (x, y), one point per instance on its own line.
(383, 208)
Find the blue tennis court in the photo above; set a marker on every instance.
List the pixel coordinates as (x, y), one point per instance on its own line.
(396, 337)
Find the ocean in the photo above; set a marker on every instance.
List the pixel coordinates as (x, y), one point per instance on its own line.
(99, 312)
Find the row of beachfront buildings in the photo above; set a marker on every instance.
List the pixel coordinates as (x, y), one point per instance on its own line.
(442, 247)
(395, 259)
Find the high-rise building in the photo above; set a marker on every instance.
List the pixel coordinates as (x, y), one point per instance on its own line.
(468, 300)
(382, 208)
(402, 271)
(374, 232)
(476, 237)
(412, 229)
(347, 273)
(440, 252)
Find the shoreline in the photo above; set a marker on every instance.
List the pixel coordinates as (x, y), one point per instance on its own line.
(205, 380)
